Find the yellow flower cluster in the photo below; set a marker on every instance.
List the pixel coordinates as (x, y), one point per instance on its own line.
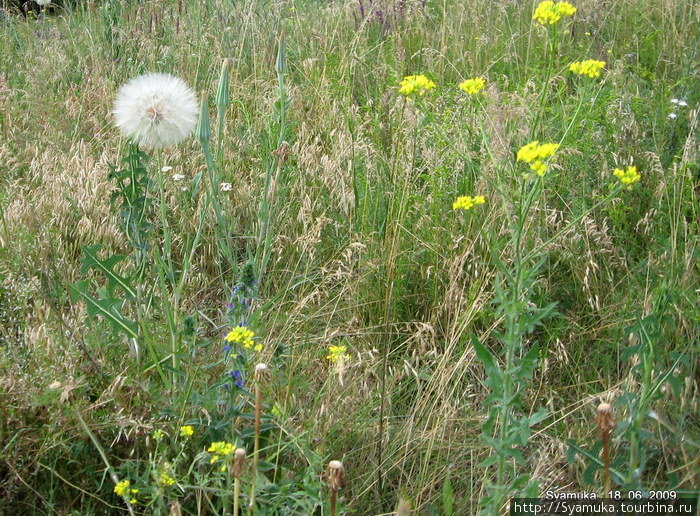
(335, 353)
(415, 84)
(549, 13)
(122, 488)
(627, 176)
(473, 86)
(186, 431)
(535, 154)
(467, 203)
(165, 480)
(243, 336)
(220, 449)
(590, 67)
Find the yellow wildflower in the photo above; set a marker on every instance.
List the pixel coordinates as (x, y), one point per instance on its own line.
(186, 431)
(473, 86)
(415, 84)
(122, 488)
(628, 176)
(467, 203)
(536, 154)
(220, 449)
(549, 13)
(243, 336)
(590, 67)
(165, 480)
(335, 353)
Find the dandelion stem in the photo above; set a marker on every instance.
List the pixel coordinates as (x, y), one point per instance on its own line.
(236, 494)
(261, 370)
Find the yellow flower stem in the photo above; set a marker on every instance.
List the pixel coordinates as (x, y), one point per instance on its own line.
(553, 43)
(566, 228)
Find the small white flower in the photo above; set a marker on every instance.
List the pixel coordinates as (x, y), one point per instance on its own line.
(675, 101)
(42, 3)
(156, 110)
(166, 168)
(226, 187)
(672, 116)
(178, 177)
(682, 103)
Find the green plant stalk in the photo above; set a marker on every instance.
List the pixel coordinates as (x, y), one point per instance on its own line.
(204, 137)
(145, 334)
(264, 241)
(166, 269)
(512, 341)
(220, 226)
(222, 103)
(576, 220)
(387, 313)
(638, 420)
(102, 453)
(170, 314)
(136, 238)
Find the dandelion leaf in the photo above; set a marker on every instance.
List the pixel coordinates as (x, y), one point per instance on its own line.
(91, 260)
(448, 498)
(106, 307)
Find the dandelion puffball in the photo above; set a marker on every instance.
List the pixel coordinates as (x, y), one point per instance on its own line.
(42, 3)
(156, 110)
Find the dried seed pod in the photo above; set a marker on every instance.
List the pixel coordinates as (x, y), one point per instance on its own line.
(606, 425)
(261, 371)
(606, 421)
(239, 462)
(335, 476)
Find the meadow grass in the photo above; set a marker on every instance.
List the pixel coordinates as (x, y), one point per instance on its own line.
(341, 204)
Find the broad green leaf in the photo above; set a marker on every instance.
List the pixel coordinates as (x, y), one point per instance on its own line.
(484, 356)
(527, 364)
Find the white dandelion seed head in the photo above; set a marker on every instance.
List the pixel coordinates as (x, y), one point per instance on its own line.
(682, 103)
(672, 116)
(226, 187)
(675, 101)
(178, 177)
(166, 168)
(42, 3)
(156, 110)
